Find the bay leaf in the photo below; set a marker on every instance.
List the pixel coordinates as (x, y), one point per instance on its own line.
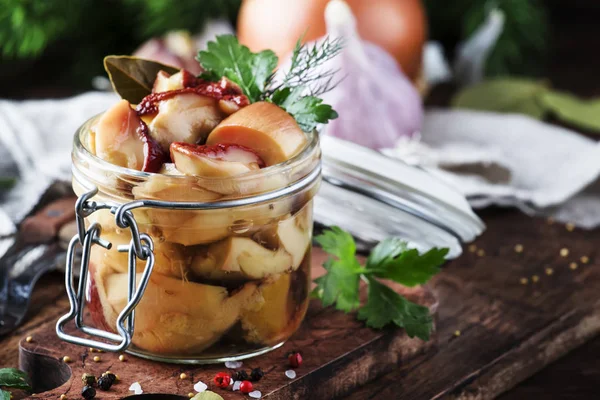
(131, 77)
(507, 95)
(583, 114)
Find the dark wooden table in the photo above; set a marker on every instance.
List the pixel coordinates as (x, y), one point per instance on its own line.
(575, 377)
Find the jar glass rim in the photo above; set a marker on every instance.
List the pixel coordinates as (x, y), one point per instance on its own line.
(80, 151)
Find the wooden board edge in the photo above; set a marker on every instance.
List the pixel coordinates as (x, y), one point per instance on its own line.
(542, 348)
(376, 358)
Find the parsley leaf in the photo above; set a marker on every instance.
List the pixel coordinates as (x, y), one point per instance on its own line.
(286, 96)
(307, 110)
(391, 259)
(338, 286)
(337, 242)
(14, 378)
(385, 306)
(227, 57)
(4, 395)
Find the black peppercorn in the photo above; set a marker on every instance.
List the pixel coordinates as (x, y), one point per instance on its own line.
(241, 375)
(88, 380)
(257, 374)
(104, 383)
(111, 376)
(88, 392)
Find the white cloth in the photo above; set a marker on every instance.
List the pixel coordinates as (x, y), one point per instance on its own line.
(511, 160)
(35, 144)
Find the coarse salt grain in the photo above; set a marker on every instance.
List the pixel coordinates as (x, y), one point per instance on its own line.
(200, 387)
(256, 394)
(233, 364)
(136, 388)
(236, 385)
(290, 373)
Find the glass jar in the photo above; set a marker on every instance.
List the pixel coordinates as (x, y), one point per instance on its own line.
(232, 256)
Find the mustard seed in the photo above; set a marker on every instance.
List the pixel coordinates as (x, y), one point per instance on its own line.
(570, 227)
(573, 266)
(564, 252)
(67, 359)
(182, 376)
(29, 339)
(122, 358)
(457, 333)
(535, 278)
(190, 395)
(472, 248)
(518, 248)
(549, 271)
(96, 359)
(584, 259)
(481, 252)
(524, 281)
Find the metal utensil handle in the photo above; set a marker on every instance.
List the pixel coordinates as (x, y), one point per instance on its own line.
(140, 246)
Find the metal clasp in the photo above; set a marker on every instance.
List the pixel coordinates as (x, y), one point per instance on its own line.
(141, 246)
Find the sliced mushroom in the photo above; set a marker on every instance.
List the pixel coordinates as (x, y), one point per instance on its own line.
(186, 117)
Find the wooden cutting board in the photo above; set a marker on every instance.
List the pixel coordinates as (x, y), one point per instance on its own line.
(508, 330)
(340, 354)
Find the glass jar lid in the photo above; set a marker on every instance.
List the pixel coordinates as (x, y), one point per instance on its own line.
(373, 197)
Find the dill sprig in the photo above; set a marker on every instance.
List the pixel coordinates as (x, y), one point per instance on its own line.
(305, 63)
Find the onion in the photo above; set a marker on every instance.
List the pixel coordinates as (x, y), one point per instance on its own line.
(377, 104)
(399, 26)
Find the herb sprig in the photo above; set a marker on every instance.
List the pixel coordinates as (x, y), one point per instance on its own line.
(254, 73)
(305, 59)
(227, 57)
(14, 379)
(392, 260)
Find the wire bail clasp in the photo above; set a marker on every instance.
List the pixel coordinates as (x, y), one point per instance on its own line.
(140, 247)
